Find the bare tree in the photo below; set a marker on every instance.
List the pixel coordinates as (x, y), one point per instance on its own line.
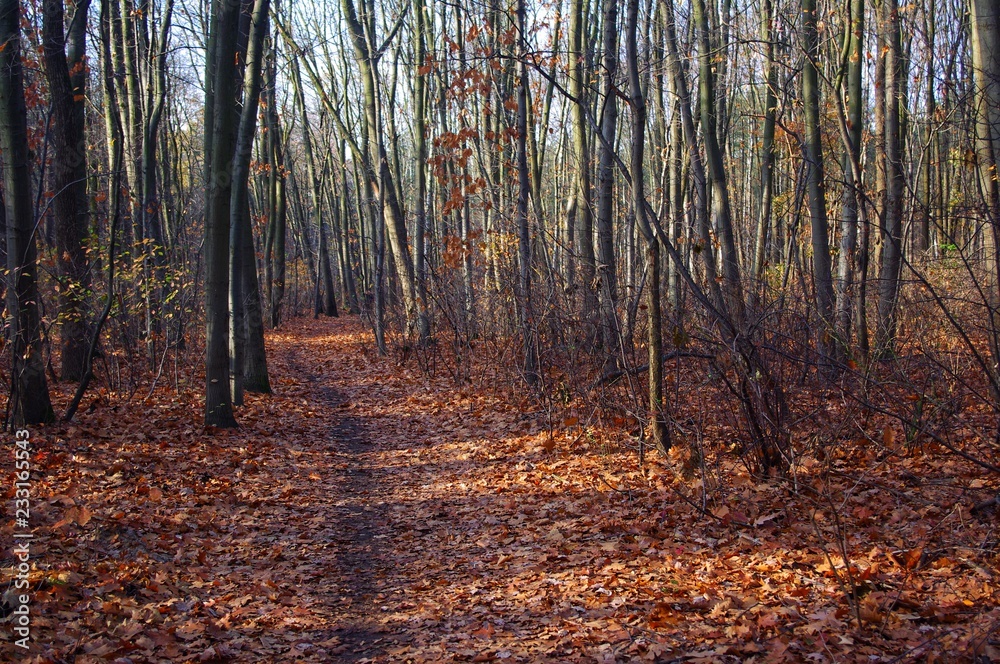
(607, 273)
(892, 215)
(986, 63)
(220, 115)
(367, 55)
(767, 141)
(813, 147)
(420, 72)
(582, 228)
(239, 336)
(526, 313)
(66, 78)
(658, 433)
(851, 198)
(30, 402)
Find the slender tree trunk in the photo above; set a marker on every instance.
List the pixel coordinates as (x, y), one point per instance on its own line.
(851, 198)
(378, 228)
(69, 178)
(326, 268)
(524, 190)
(341, 228)
(148, 189)
(699, 182)
(29, 401)
(326, 300)
(584, 214)
(239, 205)
(658, 434)
(464, 212)
(255, 374)
(218, 397)
(985, 17)
(381, 176)
(892, 232)
(421, 69)
(721, 18)
(721, 207)
(606, 268)
(279, 199)
(676, 179)
(151, 207)
(816, 185)
(922, 229)
(767, 146)
(133, 115)
(112, 129)
(867, 252)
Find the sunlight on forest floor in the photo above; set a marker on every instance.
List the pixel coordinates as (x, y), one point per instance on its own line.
(367, 512)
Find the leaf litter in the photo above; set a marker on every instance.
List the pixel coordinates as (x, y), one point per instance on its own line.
(366, 512)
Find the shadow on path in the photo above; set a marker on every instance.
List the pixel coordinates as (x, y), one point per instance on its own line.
(361, 525)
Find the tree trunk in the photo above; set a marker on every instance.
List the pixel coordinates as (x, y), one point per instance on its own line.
(133, 115)
(255, 374)
(326, 296)
(421, 69)
(279, 200)
(658, 434)
(526, 315)
(816, 184)
(677, 190)
(584, 212)
(606, 268)
(922, 229)
(851, 198)
(239, 205)
(732, 296)
(767, 146)
(342, 225)
(892, 231)
(218, 397)
(985, 17)
(148, 194)
(721, 209)
(69, 178)
(29, 403)
(699, 183)
(381, 176)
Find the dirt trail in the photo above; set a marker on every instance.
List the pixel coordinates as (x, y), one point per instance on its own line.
(432, 545)
(454, 541)
(366, 512)
(357, 515)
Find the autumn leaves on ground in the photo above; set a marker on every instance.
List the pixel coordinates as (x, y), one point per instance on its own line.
(370, 512)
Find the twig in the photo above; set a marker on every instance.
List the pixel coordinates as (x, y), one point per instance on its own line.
(615, 375)
(116, 215)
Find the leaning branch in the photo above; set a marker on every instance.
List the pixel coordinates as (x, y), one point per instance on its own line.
(92, 349)
(664, 358)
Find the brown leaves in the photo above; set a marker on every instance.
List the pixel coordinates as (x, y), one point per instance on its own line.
(368, 512)
(74, 515)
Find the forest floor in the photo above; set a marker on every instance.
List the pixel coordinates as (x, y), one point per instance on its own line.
(369, 513)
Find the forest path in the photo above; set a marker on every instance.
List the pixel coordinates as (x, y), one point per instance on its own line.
(451, 540)
(466, 530)
(357, 489)
(370, 512)
(363, 512)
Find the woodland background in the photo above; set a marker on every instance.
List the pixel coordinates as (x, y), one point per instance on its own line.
(757, 237)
